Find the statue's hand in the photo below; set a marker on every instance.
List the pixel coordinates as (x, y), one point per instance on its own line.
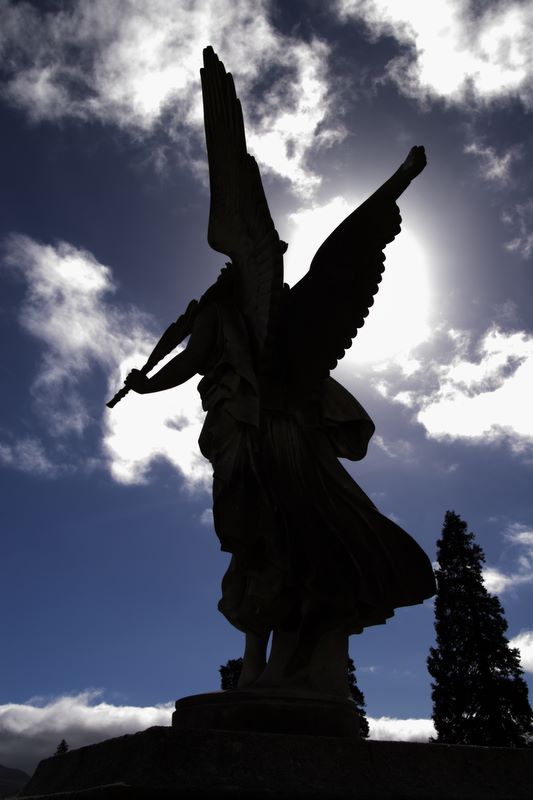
(137, 381)
(415, 161)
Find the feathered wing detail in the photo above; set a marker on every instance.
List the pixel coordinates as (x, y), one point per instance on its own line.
(240, 225)
(330, 303)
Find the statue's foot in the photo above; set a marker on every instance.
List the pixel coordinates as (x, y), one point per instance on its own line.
(250, 673)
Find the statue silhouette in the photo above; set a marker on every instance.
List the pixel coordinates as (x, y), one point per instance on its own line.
(313, 560)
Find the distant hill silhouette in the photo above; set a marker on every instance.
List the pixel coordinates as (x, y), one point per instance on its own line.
(11, 780)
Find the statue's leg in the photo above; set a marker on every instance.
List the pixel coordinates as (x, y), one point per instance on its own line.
(254, 659)
(328, 669)
(308, 659)
(283, 644)
(320, 661)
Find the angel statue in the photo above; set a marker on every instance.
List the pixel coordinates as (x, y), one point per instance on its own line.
(312, 559)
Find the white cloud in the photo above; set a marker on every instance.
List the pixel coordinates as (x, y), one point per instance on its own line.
(497, 582)
(454, 50)
(136, 64)
(520, 219)
(31, 731)
(485, 399)
(206, 517)
(519, 534)
(494, 166)
(400, 448)
(519, 537)
(67, 309)
(524, 642)
(163, 425)
(28, 455)
(401, 730)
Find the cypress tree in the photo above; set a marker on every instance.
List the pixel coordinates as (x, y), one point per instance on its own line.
(359, 700)
(61, 748)
(230, 673)
(479, 693)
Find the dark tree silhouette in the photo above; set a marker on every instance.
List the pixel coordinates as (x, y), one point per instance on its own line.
(479, 694)
(61, 748)
(359, 700)
(230, 673)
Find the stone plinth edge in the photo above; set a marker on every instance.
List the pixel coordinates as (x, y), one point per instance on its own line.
(168, 764)
(268, 712)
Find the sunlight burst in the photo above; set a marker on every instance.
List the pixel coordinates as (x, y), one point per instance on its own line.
(399, 319)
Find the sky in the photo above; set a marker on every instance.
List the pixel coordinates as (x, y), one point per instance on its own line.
(110, 565)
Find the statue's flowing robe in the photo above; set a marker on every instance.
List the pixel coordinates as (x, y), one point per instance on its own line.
(306, 542)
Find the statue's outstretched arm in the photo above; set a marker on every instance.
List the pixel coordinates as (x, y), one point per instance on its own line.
(186, 364)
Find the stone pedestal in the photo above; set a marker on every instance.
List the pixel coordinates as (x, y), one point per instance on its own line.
(172, 764)
(268, 711)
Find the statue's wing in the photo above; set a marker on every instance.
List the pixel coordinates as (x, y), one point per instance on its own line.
(330, 303)
(240, 224)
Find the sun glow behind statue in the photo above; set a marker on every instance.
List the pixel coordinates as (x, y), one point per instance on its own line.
(400, 318)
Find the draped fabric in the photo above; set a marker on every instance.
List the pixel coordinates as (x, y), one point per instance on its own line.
(306, 542)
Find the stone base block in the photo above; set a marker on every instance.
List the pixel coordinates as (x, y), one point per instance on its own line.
(268, 711)
(172, 764)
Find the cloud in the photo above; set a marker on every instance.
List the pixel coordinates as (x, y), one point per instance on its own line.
(31, 731)
(28, 455)
(524, 642)
(498, 582)
(519, 537)
(494, 166)
(400, 448)
(520, 534)
(136, 64)
(520, 219)
(487, 52)
(143, 430)
(482, 398)
(67, 308)
(401, 730)
(206, 517)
